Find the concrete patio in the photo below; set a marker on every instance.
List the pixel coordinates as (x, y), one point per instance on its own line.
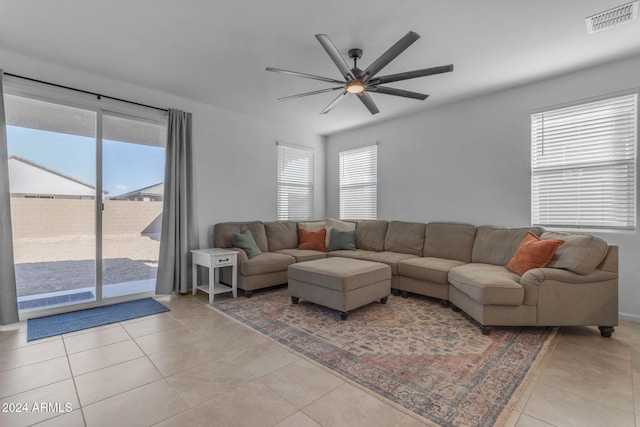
(58, 264)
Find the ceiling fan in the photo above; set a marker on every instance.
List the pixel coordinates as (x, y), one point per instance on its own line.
(359, 82)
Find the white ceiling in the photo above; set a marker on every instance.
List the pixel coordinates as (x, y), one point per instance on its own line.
(216, 51)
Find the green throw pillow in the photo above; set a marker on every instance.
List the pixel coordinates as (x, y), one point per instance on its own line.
(246, 242)
(342, 240)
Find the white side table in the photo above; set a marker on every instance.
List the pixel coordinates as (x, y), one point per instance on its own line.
(213, 259)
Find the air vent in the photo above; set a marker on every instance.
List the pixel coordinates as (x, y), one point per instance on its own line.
(612, 17)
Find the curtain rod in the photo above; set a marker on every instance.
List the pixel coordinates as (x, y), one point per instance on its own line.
(97, 95)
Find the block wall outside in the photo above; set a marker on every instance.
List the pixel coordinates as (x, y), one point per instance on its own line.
(33, 218)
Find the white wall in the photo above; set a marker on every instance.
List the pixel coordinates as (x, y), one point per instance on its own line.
(236, 165)
(470, 161)
(234, 155)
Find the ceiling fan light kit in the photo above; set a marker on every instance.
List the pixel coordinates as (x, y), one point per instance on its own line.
(355, 87)
(359, 82)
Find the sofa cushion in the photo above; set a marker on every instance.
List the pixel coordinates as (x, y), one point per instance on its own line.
(334, 224)
(390, 258)
(370, 235)
(496, 245)
(303, 254)
(312, 226)
(405, 237)
(266, 262)
(281, 235)
(223, 233)
(313, 240)
(449, 240)
(358, 253)
(246, 242)
(342, 240)
(533, 253)
(581, 253)
(487, 284)
(434, 270)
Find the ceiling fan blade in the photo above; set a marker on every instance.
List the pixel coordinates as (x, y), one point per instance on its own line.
(390, 55)
(334, 53)
(315, 92)
(398, 92)
(333, 103)
(368, 102)
(411, 74)
(308, 76)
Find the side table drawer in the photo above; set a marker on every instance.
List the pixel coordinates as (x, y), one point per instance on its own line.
(223, 260)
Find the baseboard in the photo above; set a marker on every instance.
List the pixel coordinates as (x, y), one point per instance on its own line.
(629, 317)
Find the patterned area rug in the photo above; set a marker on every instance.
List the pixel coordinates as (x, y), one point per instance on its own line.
(415, 352)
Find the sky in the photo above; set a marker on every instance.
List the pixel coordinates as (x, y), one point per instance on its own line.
(126, 166)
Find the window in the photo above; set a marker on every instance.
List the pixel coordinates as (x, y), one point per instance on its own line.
(295, 183)
(359, 183)
(583, 165)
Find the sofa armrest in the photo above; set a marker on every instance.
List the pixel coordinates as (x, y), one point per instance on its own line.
(538, 275)
(242, 255)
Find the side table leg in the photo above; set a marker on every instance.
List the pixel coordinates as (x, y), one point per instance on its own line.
(194, 278)
(216, 275)
(234, 279)
(212, 282)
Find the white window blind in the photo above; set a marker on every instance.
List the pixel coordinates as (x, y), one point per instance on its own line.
(359, 183)
(295, 183)
(583, 165)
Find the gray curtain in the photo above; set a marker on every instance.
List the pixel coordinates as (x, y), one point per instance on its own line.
(179, 220)
(8, 294)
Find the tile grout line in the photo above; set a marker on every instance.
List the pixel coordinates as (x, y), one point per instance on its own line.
(164, 378)
(188, 408)
(73, 378)
(284, 397)
(574, 395)
(31, 389)
(578, 394)
(144, 355)
(33, 363)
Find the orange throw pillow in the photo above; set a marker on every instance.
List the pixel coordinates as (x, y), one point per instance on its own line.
(312, 239)
(533, 253)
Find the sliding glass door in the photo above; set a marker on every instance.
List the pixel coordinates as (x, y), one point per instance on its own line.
(86, 202)
(133, 173)
(52, 179)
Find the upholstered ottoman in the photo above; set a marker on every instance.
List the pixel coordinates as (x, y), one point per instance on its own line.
(342, 284)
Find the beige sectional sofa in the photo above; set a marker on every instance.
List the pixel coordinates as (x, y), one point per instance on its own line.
(459, 264)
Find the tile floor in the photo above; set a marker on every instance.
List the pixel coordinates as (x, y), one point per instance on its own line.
(193, 366)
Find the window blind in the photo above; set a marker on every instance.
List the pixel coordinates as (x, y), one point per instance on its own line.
(583, 165)
(359, 183)
(295, 183)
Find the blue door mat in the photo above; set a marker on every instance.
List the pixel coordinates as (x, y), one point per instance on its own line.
(64, 323)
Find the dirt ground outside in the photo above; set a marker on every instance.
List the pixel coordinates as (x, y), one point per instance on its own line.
(50, 264)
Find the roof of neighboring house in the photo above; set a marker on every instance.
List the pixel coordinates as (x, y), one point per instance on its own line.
(153, 191)
(31, 178)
